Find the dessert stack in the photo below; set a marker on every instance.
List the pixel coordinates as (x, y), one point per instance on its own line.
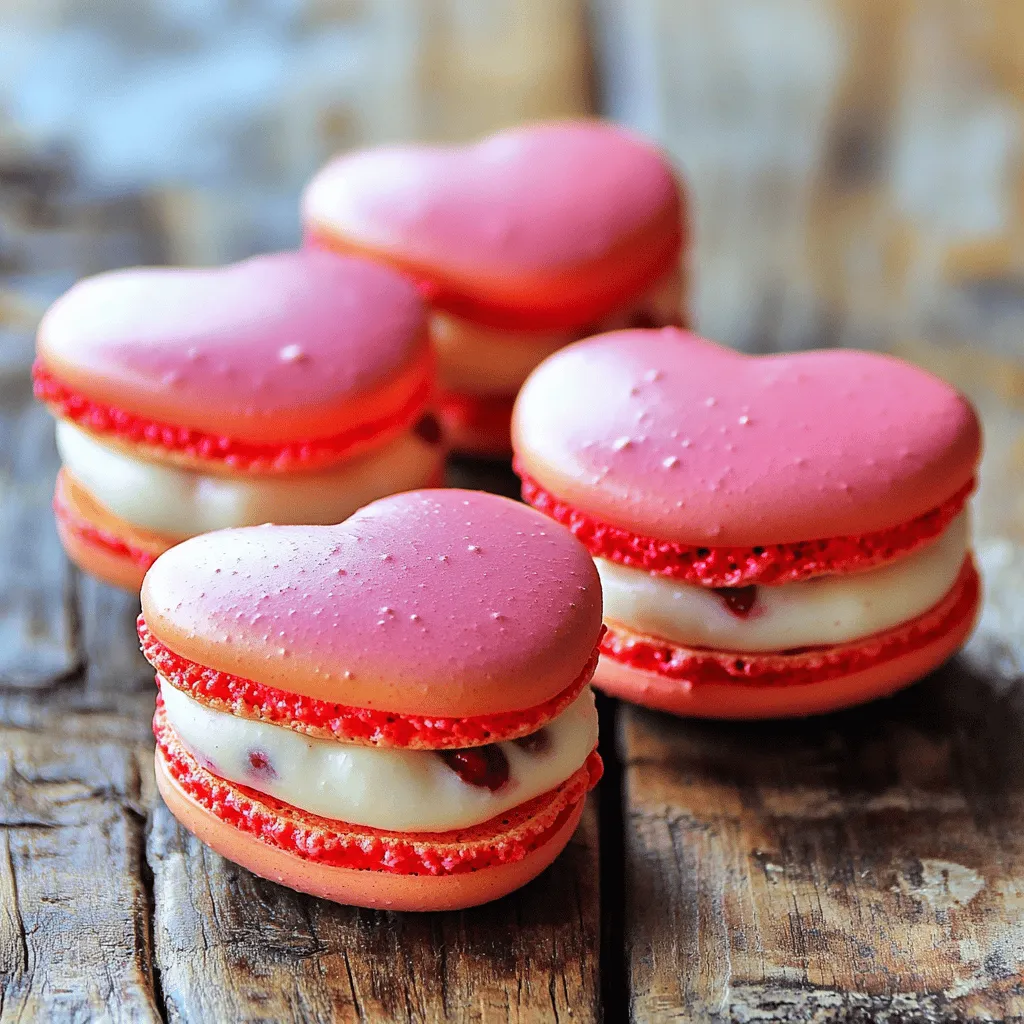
(380, 712)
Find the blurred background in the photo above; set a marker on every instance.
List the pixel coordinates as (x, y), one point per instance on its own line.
(855, 165)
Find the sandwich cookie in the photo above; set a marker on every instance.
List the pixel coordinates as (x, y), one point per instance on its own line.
(776, 535)
(521, 243)
(392, 712)
(290, 388)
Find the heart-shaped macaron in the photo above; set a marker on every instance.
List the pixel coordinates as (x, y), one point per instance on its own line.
(277, 349)
(675, 438)
(390, 712)
(776, 535)
(557, 223)
(401, 607)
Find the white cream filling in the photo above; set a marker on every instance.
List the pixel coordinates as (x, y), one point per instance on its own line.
(821, 611)
(180, 502)
(394, 789)
(479, 360)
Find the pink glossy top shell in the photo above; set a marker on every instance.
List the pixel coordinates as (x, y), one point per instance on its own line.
(286, 347)
(441, 602)
(673, 437)
(566, 215)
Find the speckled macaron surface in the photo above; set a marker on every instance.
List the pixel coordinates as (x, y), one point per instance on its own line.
(669, 436)
(278, 348)
(441, 602)
(578, 205)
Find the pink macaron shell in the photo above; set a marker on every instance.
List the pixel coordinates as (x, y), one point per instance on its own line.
(675, 438)
(517, 208)
(438, 602)
(286, 347)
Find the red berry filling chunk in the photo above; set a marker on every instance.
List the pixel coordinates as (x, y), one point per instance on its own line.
(739, 600)
(486, 767)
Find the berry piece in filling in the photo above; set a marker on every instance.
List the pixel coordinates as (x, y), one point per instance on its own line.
(261, 765)
(641, 319)
(478, 766)
(739, 600)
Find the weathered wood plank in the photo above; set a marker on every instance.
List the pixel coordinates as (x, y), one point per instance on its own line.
(38, 642)
(75, 939)
(856, 167)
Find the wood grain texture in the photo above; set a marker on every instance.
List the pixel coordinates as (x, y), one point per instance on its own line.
(856, 165)
(37, 625)
(869, 866)
(75, 779)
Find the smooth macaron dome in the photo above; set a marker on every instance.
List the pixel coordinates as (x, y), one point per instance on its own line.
(521, 242)
(288, 388)
(775, 534)
(410, 687)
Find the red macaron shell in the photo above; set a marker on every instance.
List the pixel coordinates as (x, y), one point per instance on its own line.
(745, 566)
(544, 226)
(732, 701)
(449, 603)
(196, 449)
(248, 699)
(99, 542)
(665, 435)
(284, 350)
(505, 839)
(656, 673)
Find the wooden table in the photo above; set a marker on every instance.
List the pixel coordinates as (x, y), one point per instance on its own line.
(864, 866)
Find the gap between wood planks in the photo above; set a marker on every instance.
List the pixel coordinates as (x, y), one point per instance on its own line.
(613, 958)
